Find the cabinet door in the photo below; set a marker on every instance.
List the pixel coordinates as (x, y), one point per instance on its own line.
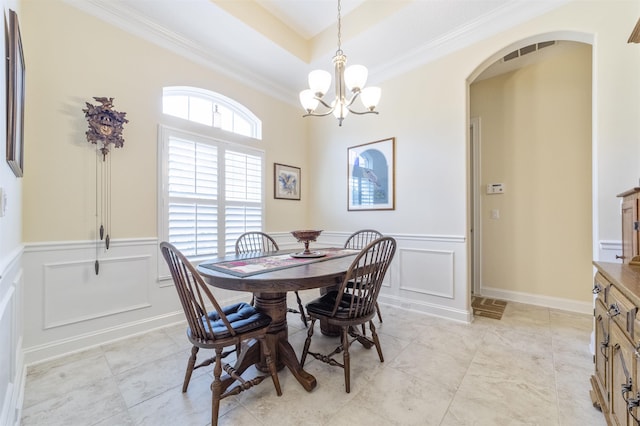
(629, 235)
(622, 374)
(603, 352)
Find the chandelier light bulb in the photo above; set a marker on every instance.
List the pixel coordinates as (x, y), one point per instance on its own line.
(370, 97)
(319, 82)
(308, 100)
(355, 77)
(340, 110)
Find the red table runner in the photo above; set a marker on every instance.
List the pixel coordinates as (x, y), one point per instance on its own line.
(262, 263)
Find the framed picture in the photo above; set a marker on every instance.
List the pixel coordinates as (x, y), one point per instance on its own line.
(371, 176)
(15, 97)
(286, 183)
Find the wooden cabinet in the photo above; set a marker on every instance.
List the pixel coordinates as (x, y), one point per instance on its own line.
(616, 378)
(630, 224)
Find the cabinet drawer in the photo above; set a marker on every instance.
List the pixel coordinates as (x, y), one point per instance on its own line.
(601, 288)
(621, 310)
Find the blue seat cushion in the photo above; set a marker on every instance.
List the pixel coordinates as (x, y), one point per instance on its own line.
(242, 317)
(323, 306)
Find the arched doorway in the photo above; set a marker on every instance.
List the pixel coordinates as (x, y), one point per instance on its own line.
(530, 134)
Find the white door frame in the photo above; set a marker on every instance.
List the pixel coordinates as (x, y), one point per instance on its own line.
(476, 206)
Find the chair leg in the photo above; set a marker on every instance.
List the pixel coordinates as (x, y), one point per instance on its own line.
(216, 388)
(307, 342)
(346, 359)
(190, 365)
(272, 365)
(378, 311)
(303, 317)
(376, 341)
(364, 331)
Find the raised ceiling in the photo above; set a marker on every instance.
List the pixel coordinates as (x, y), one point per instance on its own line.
(272, 45)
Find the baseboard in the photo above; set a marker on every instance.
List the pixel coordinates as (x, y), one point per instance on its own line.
(538, 300)
(426, 308)
(58, 348)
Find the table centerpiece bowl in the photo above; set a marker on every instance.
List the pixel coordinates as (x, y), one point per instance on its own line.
(305, 236)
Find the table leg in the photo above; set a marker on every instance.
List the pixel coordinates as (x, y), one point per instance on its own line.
(250, 355)
(275, 305)
(288, 357)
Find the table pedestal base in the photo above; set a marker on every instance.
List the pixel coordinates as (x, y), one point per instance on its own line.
(275, 305)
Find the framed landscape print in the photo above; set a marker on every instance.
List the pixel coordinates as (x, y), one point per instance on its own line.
(286, 183)
(15, 97)
(371, 176)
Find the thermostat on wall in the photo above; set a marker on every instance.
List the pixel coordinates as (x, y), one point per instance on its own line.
(495, 188)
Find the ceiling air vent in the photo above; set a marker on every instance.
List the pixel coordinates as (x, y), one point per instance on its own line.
(527, 49)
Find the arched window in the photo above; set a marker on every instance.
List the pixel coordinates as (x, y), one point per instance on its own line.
(211, 109)
(210, 190)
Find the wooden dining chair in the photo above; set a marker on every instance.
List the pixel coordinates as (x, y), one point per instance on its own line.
(349, 309)
(256, 242)
(358, 240)
(221, 328)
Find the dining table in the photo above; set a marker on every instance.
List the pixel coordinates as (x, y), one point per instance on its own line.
(270, 276)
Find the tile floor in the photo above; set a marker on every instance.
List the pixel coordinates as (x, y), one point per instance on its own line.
(530, 368)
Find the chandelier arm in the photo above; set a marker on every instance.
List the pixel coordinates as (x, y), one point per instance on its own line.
(323, 114)
(361, 113)
(353, 99)
(325, 104)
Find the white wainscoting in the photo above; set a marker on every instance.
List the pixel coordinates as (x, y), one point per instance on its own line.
(71, 308)
(608, 250)
(12, 367)
(121, 285)
(67, 307)
(428, 273)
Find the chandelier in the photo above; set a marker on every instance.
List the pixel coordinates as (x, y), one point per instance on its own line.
(351, 79)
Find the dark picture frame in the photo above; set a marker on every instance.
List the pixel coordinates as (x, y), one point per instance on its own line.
(286, 182)
(371, 176)
(15, 96)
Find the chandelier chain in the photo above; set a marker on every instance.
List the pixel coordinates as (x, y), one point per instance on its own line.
(339, 29)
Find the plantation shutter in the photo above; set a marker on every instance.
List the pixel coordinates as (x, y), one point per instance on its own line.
(213, 193)
(243, 193)
(193, 197)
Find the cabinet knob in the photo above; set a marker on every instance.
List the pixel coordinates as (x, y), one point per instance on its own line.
(613, 311)
(619, 257)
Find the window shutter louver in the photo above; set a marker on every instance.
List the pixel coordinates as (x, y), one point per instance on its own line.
(203, 218)
(192, 210)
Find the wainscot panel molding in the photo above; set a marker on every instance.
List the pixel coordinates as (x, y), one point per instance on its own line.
(427, 274)
(71, 308)
(415, 265)
(12, 366)
(121, 285)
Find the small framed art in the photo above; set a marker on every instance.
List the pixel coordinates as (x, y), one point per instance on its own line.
(371, 172)
(286, 183)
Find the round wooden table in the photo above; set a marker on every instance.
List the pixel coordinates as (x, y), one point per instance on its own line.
(270, 291)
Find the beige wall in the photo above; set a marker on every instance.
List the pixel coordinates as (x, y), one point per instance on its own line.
(535, 128)
(427, 110)
(72, 57)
